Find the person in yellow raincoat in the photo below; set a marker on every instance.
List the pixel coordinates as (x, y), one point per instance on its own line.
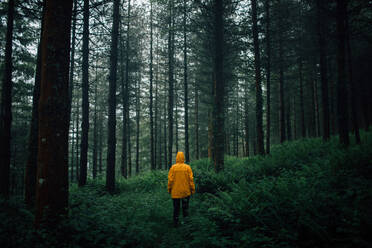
(180, 186)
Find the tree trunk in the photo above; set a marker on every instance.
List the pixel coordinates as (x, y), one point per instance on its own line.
(111, 141)
(6, 107)
(100, 166)
(170, 80)
(129, 146)
(302, 107)
(257, 65)
(95, 129)
(218, 108)
(152, 152)
(77, 141)
(138, 116)
(246, 121)
(317, 115)
(281, 85)
(52, 172)
(124, 98)
(197, 121)
(342, 97)
(85, 95)
(323, 68)
(72, 62)
(353, 83)
(268, 76)
(31, 166)
(187, 148)
(288, 117)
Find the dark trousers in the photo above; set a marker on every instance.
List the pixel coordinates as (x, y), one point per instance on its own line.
(176, 208)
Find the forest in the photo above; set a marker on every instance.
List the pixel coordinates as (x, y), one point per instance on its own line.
(270, 102)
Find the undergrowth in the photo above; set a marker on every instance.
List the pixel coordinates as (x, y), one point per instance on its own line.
(306, 193)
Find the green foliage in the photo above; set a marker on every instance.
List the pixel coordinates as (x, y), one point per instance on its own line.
(305, 194)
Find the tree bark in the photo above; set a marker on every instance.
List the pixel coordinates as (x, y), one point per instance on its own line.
(246, 121)
(268, 76)
(187, 148)
(111, 141)
(218, 109)
(6, 106)
(353, 83)
(72, 60)
(171, 83)
(323, 68)
(281, 84)
(342, 97)
(85, 95)
(138, 116)
(31, 166)
(52, 172)
(95, 128)
(152, 152)
(257, 65)
(197, 121)
(77, 141)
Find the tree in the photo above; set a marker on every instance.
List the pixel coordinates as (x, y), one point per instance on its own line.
(6, 107)
(111, 141)
(170, 80)
(268, 76)
(257, 65)
(85, 103)
(52, 172)
(187, 148)
(342, 97)
(31, 166)
(218, 108)
(323, 68)
(153, 163)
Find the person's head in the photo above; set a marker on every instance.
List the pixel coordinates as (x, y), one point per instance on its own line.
(180, 159)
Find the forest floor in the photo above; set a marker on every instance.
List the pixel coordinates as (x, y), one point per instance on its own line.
(306, 193)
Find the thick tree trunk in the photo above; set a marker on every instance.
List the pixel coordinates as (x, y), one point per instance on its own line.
(281, 85)
(111, 141)
(31, 166)
(171, 83)
(85, 95)
(268, 76)
(6, 107)
(218, 108)
(124, 98)
(52, 172)
(353, 83)
(342, 96)
(257, 65)
(152, 150)
(187, 148)
(323, 69)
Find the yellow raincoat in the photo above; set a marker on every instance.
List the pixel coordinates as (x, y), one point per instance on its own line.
(180, 179)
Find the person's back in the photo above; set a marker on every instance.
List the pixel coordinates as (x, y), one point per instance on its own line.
(180, 185)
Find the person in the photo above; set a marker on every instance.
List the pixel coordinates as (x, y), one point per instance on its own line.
(181, 186)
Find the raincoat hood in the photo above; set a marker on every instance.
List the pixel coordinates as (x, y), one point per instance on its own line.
(180, 159)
